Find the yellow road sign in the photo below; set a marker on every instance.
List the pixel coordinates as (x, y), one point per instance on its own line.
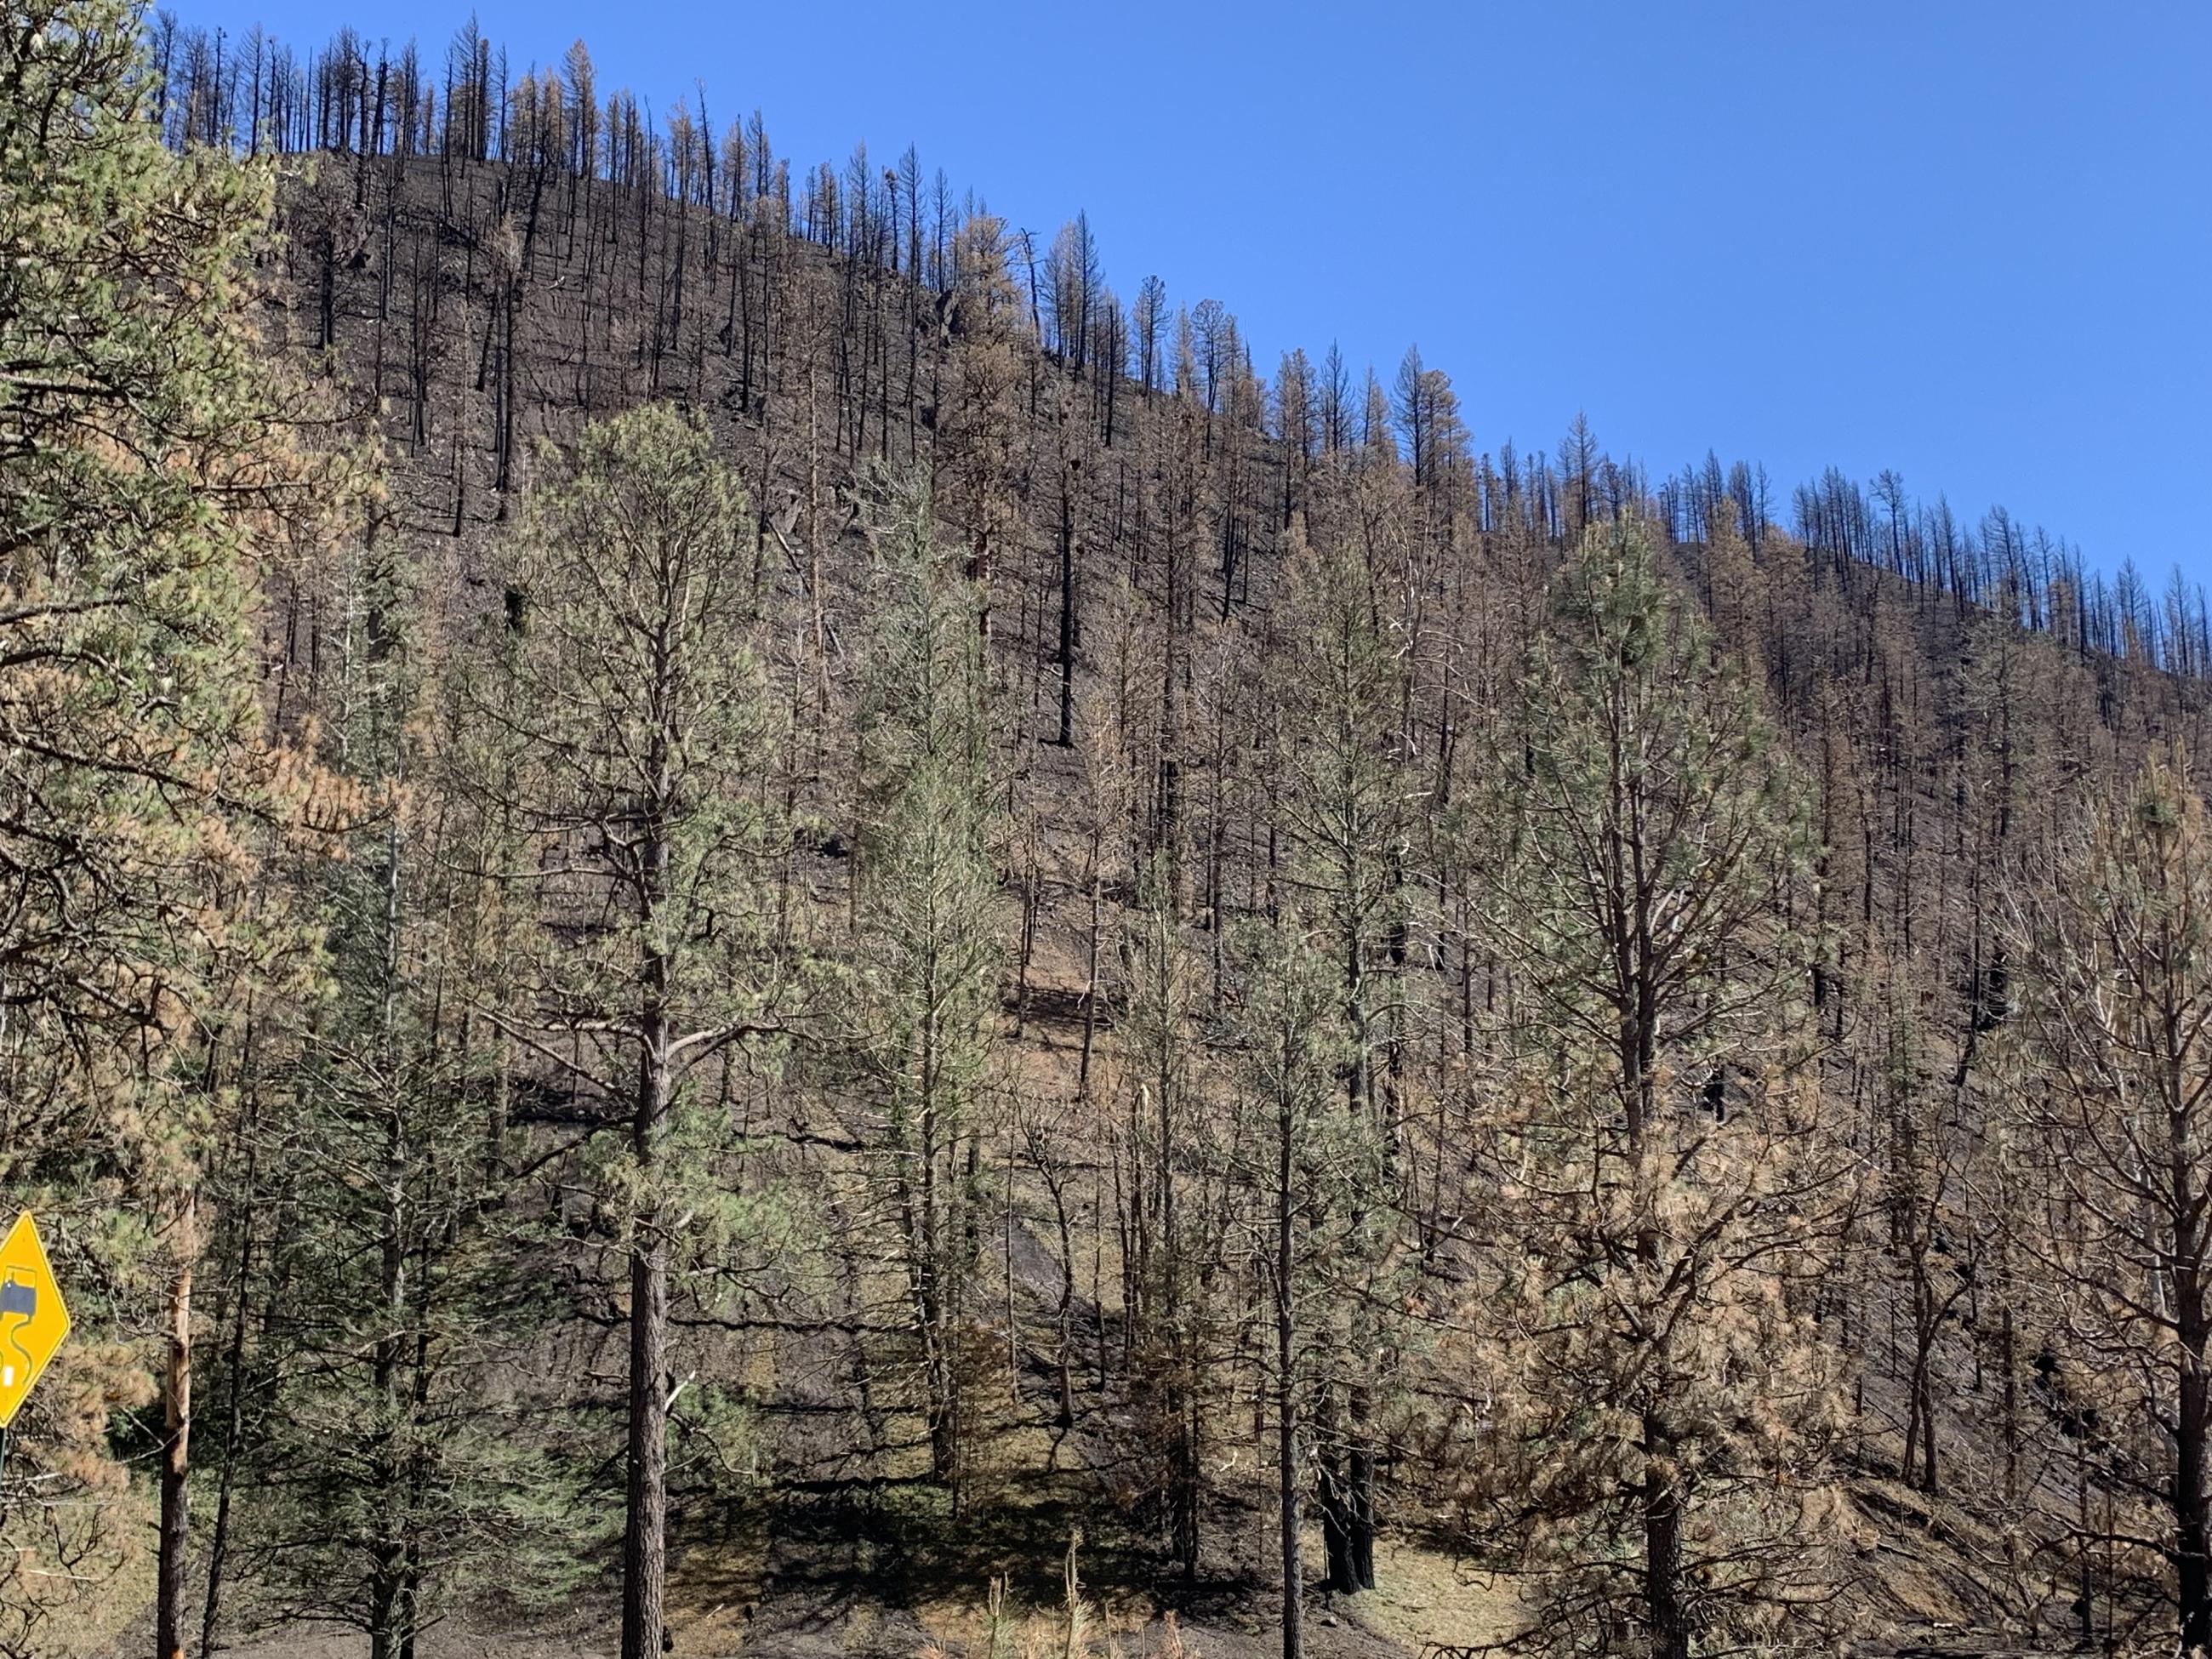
(33, 1317)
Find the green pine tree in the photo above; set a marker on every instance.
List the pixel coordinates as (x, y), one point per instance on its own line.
(930, 951)
(627, 717)
(1664, 1172)
(143, 463)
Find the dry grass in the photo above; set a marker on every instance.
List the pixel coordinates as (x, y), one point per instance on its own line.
(85, 1616)
(1423, 1595)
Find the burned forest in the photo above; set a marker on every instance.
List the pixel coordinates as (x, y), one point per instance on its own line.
(741, 919)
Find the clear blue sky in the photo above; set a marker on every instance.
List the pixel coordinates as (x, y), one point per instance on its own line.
(1970, 241)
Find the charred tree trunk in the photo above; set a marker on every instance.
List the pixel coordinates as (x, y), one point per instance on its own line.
(1286, 1394)
(176, 1455)
(645, 1540)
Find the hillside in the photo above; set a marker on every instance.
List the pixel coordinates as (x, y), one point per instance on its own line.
(1211, 953)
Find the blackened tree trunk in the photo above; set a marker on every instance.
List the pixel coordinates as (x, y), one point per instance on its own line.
(1287, 1393)
(645, 1530)
(2192, 1538)
(1663, 1543)
(176, 1453)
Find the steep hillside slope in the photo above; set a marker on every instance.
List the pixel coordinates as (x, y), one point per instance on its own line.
(1284, 1148)
(1133, 540)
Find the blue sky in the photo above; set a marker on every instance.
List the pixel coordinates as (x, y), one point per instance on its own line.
(1970, 241)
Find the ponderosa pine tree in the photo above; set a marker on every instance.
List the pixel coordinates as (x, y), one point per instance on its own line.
(930, 948)
(1658, 1146)
(977, 412)
(1305, 1161)
(631, 714)
(140, 430)
(1156, 1045)
(1345, 802)
(390, 1281)
(2116, 930)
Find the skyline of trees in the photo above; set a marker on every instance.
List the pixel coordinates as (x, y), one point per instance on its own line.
(259, 94)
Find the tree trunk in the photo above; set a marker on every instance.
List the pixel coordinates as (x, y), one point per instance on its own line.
(645, 1543)
(1359, 1469)
(1286, 1399)
(645, 1534)
(394, 1445)
(2192, 1569)
(1183, 1458)
(387, 1631)
(176, 1458)
(2008, 1344)
(1662, 1544)
(1335, 1504)
(1064, 658)
(234, 1415)
(1066, 1365)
